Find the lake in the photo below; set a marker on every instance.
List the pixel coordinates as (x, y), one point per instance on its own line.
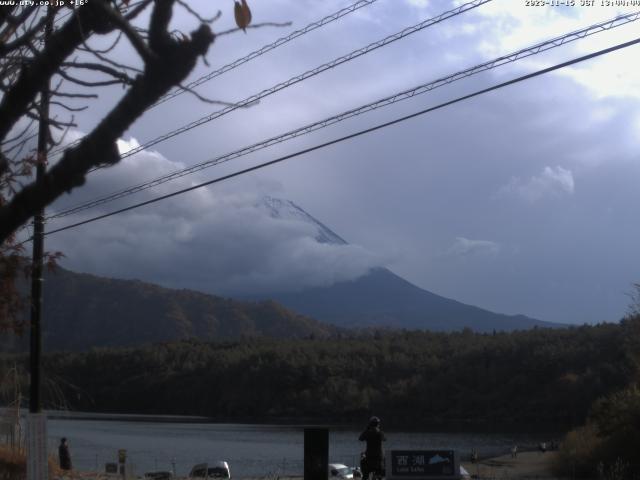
(251, 450)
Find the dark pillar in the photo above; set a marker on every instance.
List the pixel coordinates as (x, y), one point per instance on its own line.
(316, 453)
(35, 401)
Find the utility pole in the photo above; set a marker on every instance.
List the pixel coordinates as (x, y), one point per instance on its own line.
(37, 465)
(35, 401)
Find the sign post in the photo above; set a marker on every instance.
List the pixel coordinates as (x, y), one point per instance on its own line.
(122, 462)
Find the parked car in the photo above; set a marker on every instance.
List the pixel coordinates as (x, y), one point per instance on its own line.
(340, 471)
(211, 470)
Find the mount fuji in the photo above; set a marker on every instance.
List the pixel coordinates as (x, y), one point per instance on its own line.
(380, 298)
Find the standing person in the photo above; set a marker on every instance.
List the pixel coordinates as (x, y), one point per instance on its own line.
(474, 456)
(373, 455)
(64, 455)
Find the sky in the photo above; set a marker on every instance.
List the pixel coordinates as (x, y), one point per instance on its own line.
(520, 200)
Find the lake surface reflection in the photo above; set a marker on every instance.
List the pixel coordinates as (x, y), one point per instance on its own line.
(251, 450)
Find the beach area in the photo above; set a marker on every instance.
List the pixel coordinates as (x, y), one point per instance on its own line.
(527, 465)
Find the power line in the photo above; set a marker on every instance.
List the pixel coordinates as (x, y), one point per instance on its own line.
(261, 51)
(421, 89)
(308, 74)
(267, 48)
(354, 135)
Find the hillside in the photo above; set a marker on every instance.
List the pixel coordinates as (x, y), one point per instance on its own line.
(383, 299)
(82, 311)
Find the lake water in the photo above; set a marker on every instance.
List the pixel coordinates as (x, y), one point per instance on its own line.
(251, 450)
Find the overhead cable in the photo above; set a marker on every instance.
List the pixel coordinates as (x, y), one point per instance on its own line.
(404, 95)
(255, 54)
(353, 135)
(267, 48)
(261, 51)
(249, 101)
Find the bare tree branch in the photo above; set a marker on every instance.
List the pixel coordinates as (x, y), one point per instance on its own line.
(137, 10)
(125, 27)
(86, 83)
(216, 102)
(19, 135)
(105, 50)
(256, 25)
(174, 60)
(68, 108)
(123, 77)
(25, 38)
(32, 77)
(111, 62)
(208, 21)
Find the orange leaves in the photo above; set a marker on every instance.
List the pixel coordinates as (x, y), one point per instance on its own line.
(242, 14)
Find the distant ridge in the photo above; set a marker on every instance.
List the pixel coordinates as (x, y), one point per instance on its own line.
(81, 311)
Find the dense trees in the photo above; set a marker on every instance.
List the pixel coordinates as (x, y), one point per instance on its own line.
(538, 378)
(609, 441)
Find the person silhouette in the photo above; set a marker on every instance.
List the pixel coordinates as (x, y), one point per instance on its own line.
(64, 455)
(373, 458)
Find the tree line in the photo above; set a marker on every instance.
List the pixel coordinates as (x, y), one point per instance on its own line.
(541, 377)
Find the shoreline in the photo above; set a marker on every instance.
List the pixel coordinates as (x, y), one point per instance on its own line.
(526, 465)
(303, 422)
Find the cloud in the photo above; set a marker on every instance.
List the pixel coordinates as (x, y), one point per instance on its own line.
(220, 240)
(553, 181)
(418, 3)
(126, 145)
(518, 26)
(465, 246)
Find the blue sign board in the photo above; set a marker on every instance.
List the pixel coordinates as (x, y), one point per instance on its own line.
(415, 464)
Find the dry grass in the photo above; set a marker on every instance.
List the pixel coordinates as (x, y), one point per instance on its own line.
(578, 453)
(13, 464)
(528, 465)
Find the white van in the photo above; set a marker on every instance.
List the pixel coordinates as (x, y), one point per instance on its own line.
(212, 470)
(339, 471)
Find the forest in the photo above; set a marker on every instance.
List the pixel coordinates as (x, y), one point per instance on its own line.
(582, 381)
(541, 378)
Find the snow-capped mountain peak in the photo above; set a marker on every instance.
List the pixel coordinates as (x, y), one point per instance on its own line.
(287, 210)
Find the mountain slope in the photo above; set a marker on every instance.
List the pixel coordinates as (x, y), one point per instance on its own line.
(82, 311)
(382, 298)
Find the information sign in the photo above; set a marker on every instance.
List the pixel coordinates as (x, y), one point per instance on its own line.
(422, 464)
